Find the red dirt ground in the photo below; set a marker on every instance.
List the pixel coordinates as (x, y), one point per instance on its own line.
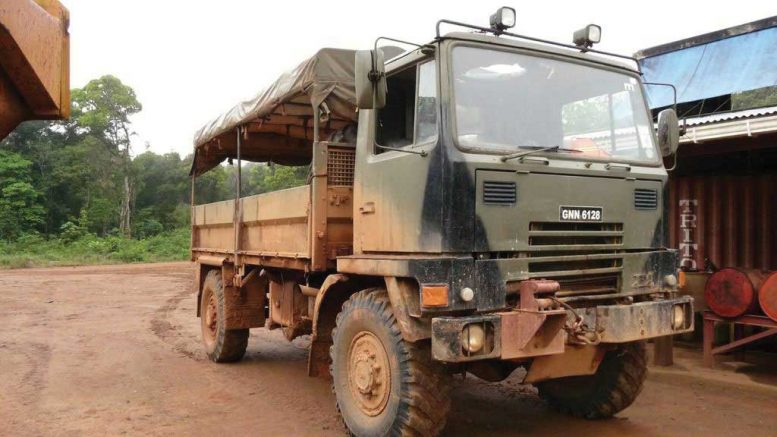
(116, 350)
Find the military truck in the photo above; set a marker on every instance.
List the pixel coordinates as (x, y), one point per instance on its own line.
(481, 203)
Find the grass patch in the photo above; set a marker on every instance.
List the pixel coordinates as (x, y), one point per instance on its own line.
(38, 251)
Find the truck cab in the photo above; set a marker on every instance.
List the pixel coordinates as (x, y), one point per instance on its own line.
(481, 203)
(496, 161)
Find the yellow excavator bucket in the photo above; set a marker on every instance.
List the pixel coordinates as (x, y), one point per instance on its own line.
(34, 62)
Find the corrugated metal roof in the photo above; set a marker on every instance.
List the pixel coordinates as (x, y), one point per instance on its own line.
(746, 123)
(733, 115)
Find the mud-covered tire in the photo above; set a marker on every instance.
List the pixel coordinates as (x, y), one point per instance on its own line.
(417, 402)
(613, 387)
(221, 345)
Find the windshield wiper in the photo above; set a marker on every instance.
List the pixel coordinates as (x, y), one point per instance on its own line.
(523, 153)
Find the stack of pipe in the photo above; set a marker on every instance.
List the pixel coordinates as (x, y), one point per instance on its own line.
(732, 292)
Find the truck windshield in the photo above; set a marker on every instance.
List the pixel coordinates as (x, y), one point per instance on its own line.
(507, 102)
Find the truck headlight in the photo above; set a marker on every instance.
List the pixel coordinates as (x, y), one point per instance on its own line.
(678, 317)
(473, 337)
(587, 36)
(504, 18)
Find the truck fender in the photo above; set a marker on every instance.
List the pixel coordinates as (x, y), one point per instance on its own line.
(205, 263)
(404, 295)
(243, 297)
(335, 290)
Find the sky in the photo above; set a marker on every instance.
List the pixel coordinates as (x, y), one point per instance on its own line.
(190, 60)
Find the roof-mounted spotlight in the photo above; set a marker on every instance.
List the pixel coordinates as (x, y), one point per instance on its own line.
(587, 36)
(503, 19)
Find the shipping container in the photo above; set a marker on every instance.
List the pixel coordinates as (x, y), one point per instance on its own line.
(729, 219)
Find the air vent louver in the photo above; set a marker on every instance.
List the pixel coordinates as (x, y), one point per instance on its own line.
(645, 199)
(499, 193)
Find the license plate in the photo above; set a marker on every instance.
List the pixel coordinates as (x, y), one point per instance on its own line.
(580, 213)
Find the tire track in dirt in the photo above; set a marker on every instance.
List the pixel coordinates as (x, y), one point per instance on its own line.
(163, 326)
(24, 372)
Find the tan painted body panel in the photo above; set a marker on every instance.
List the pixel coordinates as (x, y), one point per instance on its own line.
(286, 228)
(213, 226)
(277, 222)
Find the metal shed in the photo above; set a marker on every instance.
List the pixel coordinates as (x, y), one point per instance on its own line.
(722, 197)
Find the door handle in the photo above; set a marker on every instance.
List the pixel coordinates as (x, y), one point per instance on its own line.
(367, 208)
(611, 166)
(535, 160)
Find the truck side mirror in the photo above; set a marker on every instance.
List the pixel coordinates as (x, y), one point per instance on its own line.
(370, 79)
(668, 132)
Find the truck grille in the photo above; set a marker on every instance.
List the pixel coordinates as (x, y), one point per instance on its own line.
(583, 257)
(555, 266)
(339, 166)
(587, 286)
(645, 198)
(583, 277)
(499, 192)
(575, 236)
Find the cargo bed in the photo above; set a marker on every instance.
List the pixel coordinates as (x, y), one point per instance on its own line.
(303, 228)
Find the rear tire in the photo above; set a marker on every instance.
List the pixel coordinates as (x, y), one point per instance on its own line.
(613, 387)
(221, 345)
(383, 384)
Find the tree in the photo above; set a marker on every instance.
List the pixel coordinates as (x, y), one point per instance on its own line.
(162, 184)
(20, 210)
(102, 108)
(263, 178)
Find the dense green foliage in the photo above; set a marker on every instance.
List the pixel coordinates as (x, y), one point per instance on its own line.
(757, 98)
(20, 210)
(34, 250)
(72, 192)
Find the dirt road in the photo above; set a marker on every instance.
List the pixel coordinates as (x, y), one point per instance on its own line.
(115, 350)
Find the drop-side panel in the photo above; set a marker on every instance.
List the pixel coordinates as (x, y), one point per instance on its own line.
(214, 228)
(277, 222)
(276, 225)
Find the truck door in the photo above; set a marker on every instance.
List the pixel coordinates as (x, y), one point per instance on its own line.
(394, 158)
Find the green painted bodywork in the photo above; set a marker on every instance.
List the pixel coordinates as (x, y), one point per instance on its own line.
(409, 207)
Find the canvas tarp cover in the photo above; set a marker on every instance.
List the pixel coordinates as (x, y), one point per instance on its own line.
(740, 63)
(278, 122)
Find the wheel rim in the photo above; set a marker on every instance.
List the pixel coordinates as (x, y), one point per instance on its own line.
(210, 319)
(369, 376)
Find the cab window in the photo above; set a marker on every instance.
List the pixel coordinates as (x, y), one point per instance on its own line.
(410, 115)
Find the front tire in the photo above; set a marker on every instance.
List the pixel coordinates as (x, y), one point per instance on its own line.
(383, 384)
(613, 387)
(221, 345)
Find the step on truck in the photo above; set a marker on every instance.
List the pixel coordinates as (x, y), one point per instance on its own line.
(481, 203)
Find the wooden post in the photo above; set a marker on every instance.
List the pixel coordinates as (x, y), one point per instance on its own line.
(747, 320)
(662, 351)
(739, 333)
(708, 338)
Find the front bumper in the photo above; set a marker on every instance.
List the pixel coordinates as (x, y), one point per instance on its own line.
(519, 334)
